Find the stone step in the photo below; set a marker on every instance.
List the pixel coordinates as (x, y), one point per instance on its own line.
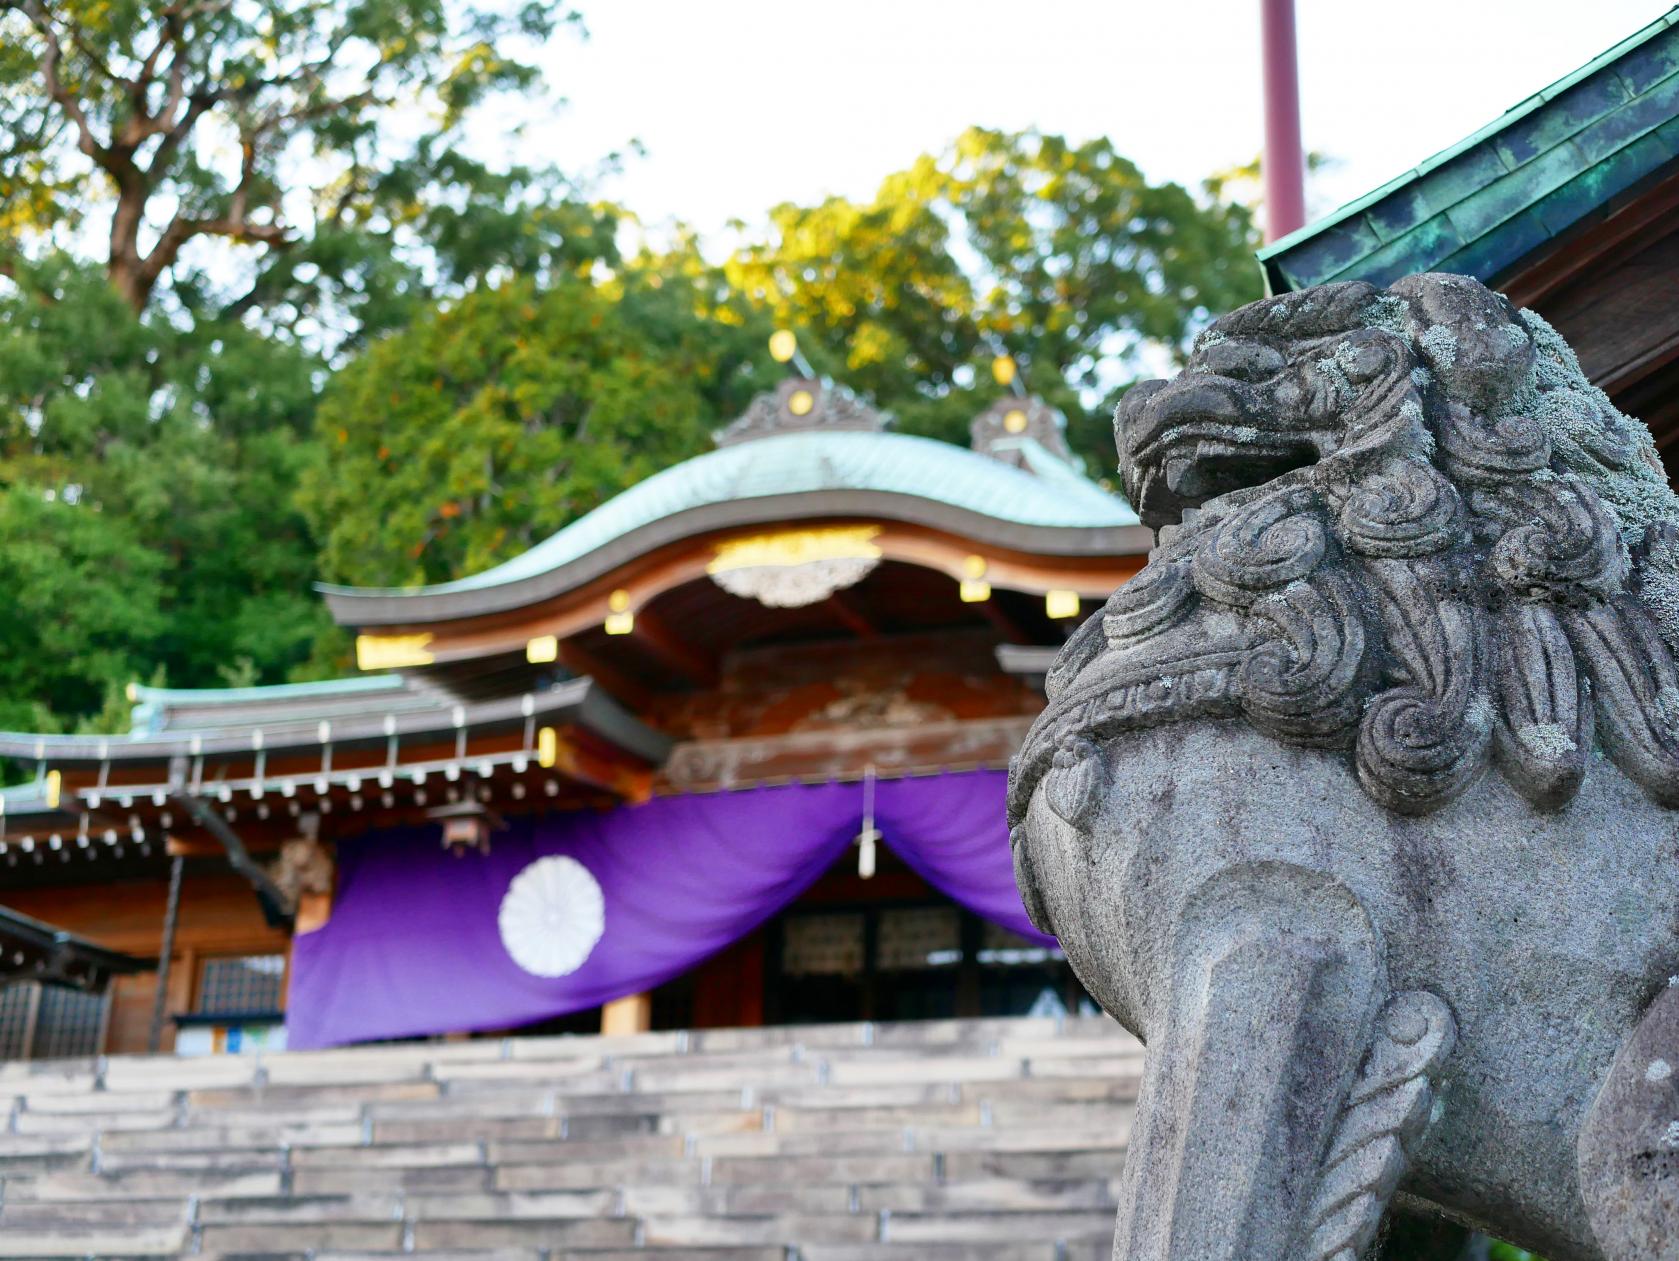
(779, 1228)
(580, 1175)
(993, 1140)
(299, 1237)
(513, 1205)
(35, 1121)
(988, 1228)
(361, 1206)
(988, 1195)
(276, 1132)
(73, 1238)
(817, 1170)
(558, 1235)
(932, 1252)
(141, 1184)
(739, 1200)
(1033, 1165)
(441, 1179)
(773, 1253)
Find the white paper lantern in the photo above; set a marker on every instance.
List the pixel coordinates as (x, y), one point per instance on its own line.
(552, 916)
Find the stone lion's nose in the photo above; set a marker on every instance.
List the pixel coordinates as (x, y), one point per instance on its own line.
(1198, 400)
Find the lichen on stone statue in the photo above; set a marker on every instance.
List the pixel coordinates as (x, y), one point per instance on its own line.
(1373, 765)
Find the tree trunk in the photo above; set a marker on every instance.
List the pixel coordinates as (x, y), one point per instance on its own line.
(125, 266)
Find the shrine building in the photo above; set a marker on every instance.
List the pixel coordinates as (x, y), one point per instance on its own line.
(728, 750)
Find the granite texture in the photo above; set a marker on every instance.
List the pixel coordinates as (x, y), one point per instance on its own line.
(1355, 804)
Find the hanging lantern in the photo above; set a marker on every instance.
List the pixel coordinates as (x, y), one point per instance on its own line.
(1061, 603)
(620, 620)
(869, 837)
(466, 825)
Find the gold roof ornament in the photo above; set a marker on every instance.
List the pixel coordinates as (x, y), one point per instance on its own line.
(1004, 428)
(386, 652)
(792, 568)
(799, 404)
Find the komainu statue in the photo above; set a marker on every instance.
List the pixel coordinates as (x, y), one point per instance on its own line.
(1357, 804)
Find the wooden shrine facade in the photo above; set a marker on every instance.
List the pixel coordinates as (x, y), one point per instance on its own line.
(818, 599)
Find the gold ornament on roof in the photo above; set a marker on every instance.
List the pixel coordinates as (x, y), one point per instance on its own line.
(793, 568)
(386, 652)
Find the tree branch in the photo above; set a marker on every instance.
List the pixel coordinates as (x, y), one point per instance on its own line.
(235, 223)
(86, 141)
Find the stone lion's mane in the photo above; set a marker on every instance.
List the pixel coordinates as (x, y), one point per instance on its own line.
(1481, 568)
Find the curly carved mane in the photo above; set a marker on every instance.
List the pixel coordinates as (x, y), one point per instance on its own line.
(1397, 523)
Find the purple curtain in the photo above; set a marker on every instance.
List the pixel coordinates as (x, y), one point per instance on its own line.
(422, 941)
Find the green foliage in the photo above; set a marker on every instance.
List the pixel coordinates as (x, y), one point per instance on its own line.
(493, 421)
(272, 190)
(295, 160)
(264, 186)
(1062, 255)
(146, 474)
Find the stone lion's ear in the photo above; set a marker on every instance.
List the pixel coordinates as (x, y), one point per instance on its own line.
(1466, 335)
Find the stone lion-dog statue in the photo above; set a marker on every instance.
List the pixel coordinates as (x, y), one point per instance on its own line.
(1357, 804)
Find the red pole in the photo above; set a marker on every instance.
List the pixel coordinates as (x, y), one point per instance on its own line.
(1284, 163)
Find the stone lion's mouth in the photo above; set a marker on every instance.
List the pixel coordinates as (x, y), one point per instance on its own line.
(1191, 467)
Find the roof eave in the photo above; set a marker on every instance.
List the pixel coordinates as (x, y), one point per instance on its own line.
(1275, 258)
(361, 607)
(580, 701)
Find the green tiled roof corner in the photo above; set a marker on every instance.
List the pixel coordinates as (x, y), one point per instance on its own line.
(1543, 167)
(812, 462)
(273, 692)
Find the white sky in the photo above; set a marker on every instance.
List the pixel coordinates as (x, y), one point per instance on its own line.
(745, 103)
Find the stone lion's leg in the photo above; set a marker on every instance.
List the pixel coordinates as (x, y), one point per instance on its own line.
(1265, 1128)
(1629, 1144)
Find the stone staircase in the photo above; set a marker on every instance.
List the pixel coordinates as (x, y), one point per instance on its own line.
(985, 1140)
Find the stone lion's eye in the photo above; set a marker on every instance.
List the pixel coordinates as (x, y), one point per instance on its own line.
(1242, 361)
(1365, 363)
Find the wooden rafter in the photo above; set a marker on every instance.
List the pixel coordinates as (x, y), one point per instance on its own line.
(581, 661)
(854, 619)
(656, 635)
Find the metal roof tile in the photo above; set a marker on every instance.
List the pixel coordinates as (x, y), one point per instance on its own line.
(814, 461)
(1489, 178)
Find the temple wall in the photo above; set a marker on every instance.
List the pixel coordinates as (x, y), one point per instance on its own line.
(850, 685)
(218, 917)
(815, 711)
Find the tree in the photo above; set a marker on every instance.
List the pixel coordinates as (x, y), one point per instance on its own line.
(1059, 254)
(145, 482)
(251, 190)
(277, 128)
(492, 422)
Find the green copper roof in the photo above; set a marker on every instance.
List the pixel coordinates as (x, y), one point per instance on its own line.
(813, 462)
(1548, 164)
(160, 709)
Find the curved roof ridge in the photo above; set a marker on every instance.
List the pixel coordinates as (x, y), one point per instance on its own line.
(812, 461)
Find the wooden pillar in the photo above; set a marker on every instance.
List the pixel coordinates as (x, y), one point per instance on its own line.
(171, 912)
(632, 1013)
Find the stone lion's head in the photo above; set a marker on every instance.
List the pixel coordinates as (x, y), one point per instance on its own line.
(1398, 523)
